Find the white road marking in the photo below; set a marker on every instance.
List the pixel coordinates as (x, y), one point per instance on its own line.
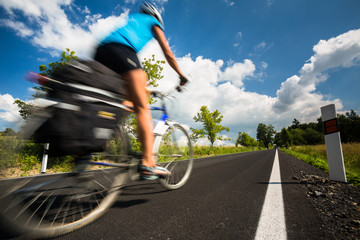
(272, 220)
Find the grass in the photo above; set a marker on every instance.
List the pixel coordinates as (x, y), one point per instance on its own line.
(206, 151)
(20, 158)
(317, 157)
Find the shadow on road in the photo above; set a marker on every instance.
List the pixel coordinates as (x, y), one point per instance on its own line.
(130, 203)
(144, 188)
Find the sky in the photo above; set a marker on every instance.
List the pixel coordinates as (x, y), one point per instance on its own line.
(256, 61)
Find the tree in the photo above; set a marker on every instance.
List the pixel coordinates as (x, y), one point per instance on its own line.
(153, 69)
(211, 125)
(283, 138)
(265, 134)
(312, 137)
(66, 57)
(298, 136)
(295, 124)
(24, 108)
(8, 132)
(245, 140)
(349, 125)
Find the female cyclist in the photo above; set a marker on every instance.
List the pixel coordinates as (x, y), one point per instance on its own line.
(118, 51)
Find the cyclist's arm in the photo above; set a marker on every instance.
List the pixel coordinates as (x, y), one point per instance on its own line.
(160, 37)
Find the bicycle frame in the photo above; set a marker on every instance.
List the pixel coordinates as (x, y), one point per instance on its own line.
(56, 204)
(159, 130)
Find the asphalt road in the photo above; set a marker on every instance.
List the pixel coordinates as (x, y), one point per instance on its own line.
(223, 199)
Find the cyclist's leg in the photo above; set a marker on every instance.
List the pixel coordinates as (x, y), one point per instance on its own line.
(136, 80)
(124, 61)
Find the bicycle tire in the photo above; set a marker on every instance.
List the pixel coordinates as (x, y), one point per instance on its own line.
(176, 154)
(53, 205)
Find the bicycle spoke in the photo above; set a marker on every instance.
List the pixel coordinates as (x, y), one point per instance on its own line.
(57, 214)
(66, 211)
(50, 203)
(26, 206)
(16, 201)
(14, 188)
(81, 210)
(37, 209)
(175, 157)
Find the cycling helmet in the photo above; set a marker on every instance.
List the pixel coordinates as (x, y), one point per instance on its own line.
(150, 9)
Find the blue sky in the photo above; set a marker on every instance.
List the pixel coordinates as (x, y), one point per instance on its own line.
(266, 61)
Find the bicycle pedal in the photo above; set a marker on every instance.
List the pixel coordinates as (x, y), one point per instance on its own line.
(162, 176)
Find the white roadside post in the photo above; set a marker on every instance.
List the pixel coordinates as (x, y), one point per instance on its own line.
(45, 158)
(333, 144)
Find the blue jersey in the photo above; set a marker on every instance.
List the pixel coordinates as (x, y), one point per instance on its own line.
(136, 33)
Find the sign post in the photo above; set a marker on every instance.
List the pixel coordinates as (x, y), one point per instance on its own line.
(333, 144)
(45, 158)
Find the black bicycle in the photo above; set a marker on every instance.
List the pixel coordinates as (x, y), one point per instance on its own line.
(54, 204)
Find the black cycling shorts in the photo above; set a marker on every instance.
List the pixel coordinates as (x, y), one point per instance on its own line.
(117, 57)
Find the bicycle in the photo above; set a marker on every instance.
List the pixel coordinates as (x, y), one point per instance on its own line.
(56, 204)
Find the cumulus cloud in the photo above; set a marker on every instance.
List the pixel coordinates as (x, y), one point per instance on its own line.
(19, 27)
(216, 83)
(53, 29)
(221, 86)
(9, 112)
(298, 92)
(238, 71)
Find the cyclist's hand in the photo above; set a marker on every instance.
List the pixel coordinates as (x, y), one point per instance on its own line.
(183, 81)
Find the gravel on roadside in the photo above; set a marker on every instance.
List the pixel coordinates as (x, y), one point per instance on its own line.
(336, 203)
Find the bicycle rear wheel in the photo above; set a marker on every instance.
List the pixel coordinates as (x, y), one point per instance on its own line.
(52, 205)
(176, 154)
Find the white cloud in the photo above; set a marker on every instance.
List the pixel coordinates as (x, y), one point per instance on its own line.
(260, 45)
(243, 110)
(229, 3)
(238, 71)
(19, 27)
(215, 84)
(269, 2)
(50, 28)
(9, 112)
(298, 92)
(239, 35)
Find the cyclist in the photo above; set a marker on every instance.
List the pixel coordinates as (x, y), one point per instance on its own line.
(118, 51)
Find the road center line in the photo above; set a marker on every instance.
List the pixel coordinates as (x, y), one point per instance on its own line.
(272, 220)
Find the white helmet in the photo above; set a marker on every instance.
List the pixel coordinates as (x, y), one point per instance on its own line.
(150, 9)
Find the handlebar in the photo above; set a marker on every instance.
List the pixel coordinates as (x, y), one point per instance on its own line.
(179, 88)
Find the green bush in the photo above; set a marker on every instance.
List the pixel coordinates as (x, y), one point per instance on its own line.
(28, 162)
(61, 164)
(9, 151)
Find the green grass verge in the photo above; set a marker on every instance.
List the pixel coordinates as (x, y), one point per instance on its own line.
(23, 158)
(317, 157)
(206, 151)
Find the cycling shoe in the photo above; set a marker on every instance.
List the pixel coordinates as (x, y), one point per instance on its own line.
(152, 173)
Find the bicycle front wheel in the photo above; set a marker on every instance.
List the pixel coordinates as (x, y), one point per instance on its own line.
(176, 154)
(55, 204)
